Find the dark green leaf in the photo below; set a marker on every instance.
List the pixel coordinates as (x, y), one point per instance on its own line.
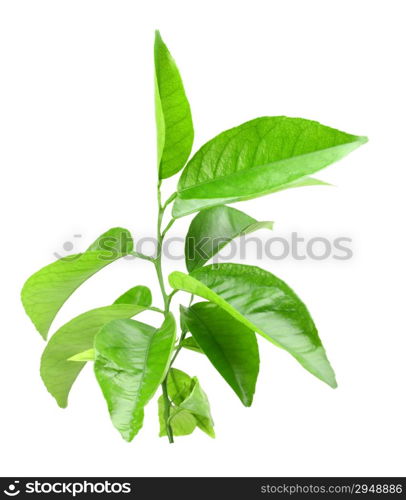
(231, 346)
(257, 158)
(265, 304)
(212, 229)
(173, 116)
(131, 361)
(72, 338)
(45, 292)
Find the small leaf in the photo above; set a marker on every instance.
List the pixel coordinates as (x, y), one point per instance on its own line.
(140, 295)
(45, 292)
(187, 396)
(265, 304)
(87, 355)
(230, 346)
(191, 344)
(182, 422)
(178, 385)
(131, 361)
(172, 110)
(257, 158)
(212, 229)
(76, 336)
(198, 404)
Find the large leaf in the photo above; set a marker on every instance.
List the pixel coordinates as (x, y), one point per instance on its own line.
(131, 361)
(173, 116)
(45, 292)
(265, 304)
(256, 158)
(189, 401)
(76, 336)
(212, 229)
(231, 346)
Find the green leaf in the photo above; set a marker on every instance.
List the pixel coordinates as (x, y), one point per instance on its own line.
(198, 404)
(265, 304)
(87, 355)
(257, 158)
(140, 295)
(182, 422)
(74, 337)
(230, 346)
(45, 292)
(187, 395)
(212, 229)
(173, 116)
(178, 385)
(131, 361)
(191, 344)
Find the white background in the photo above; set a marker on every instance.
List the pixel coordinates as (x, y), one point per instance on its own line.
(78, 156)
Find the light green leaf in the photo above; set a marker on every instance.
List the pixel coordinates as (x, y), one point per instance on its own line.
(231, 346)
(198, 404)
(257, 158)
(212, 229)
(182, 422)
(178, 385)
(45, 292)
(87, 355)
(131, 361)
(191, 344)
(172, 110)
(187, 396)
(72, 338)
(265, 304)
(140, 295)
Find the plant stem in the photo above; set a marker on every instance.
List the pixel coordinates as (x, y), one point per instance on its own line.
(182, 337)
(167, 409)
(158, 267)
(142, 256)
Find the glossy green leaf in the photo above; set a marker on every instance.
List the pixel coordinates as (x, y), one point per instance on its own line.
(172, 110)
(257, 158)
(187, 395)
(231, 346)
(87, 355)
(212, 229)
(191, 344)
(45, 292)
(140, 295)
(131, 361)
(72, 338)
(186, 207)
(265, 304)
